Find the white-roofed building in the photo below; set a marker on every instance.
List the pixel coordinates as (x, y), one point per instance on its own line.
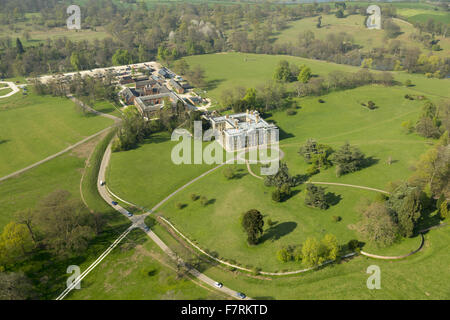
(243, 130)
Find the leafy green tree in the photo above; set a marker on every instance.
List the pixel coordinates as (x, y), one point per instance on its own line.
(281, 177)
(311, 255)
(282, 72)
(121, 57)
(315, 197)
(348, 159)
(19, 46)
(330, 247)
(15, 242)
(405, 204)
(253, 224)
(377, 225)
(305, 74)
(228, 173)
(276, 195)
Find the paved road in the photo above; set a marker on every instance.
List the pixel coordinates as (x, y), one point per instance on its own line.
(138, 221)
(13, 87)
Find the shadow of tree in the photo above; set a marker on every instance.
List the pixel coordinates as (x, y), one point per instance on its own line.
(277, 231)
(368, 162)
(333, 199)
(213, 84)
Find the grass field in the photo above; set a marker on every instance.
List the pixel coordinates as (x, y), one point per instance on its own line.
(147, 272)
(224, 71)
(420, 276)
(341, 118)
(378, 134)
(354, 26)
(33, 127)
(39, 34)
(147, 175)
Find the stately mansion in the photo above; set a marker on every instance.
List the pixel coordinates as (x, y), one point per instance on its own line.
(243, 130)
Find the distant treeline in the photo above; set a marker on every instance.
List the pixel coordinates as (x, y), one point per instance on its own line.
(170, 31)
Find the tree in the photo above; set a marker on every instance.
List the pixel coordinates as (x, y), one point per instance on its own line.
(26, 217)
(75, 61)
(316, 154)
(377, 225)
(281, 177)
(315, 197)
(196, 76)
(405, 205)
(311, 256)
(282, 72)
(121, 57)
(15, 286)
(443, 210)
(64, 223)
(319, 22)
(330, 247)
(253, 223)
(228, 173)
(276, 195)
(181, 67)
(19, 46)
(339, 14)
(304, 75)
(15, 242)
(348, 159)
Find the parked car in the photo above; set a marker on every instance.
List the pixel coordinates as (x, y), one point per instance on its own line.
(114, 203)
(241, 295)
(147, 229)
(102, 183)
(218, 285)
(129, 214)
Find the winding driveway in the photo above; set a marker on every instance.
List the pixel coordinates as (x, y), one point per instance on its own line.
(138, 222)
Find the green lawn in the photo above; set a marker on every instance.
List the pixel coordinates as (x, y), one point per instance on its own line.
(420, 276)
(34, 127)
(147, 175)
(225, 71)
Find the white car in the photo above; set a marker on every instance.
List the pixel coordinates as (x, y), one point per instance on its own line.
(218, 284)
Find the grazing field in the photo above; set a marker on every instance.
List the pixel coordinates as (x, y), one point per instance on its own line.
(34, 127)
(28, 189)
(39, 34)
(421, 276)
(378, 133)
(146, 175)
(354, 26)
(224, 71)
(147, 272)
